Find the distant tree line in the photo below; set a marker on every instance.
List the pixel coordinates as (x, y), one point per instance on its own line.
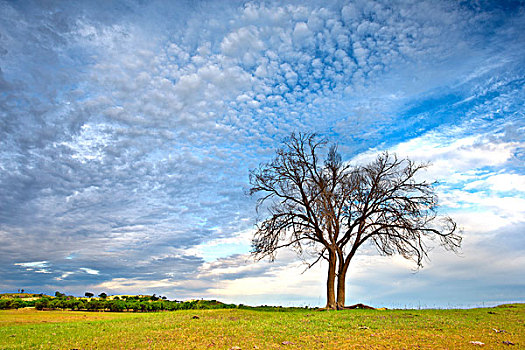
(15, 303)
(128, 303)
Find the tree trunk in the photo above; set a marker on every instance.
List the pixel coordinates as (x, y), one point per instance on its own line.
(330, 290)
(341, 290)
(341, 283)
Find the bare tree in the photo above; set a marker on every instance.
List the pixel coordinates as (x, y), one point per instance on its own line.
(330, 208)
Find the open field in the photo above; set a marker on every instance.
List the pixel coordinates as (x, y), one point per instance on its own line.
(250, 329)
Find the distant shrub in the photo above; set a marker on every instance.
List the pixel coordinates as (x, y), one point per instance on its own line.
(42, 303)
(116, 306)
(4, 304)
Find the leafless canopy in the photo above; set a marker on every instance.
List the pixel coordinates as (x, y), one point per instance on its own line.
(332, 208)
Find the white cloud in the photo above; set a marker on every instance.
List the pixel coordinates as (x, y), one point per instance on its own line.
(241, 278)
(302, 35)
(238, 243)
(64, 276)
(241, 42)
(452, 157)
(89, 271)
(36, 266)
(463, 164)
(499, 183)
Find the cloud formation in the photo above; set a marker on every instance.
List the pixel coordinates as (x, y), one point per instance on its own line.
(127, 131)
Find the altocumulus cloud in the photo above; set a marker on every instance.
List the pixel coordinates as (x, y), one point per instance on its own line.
(127, 131)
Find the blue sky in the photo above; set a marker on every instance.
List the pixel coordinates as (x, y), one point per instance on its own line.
(128, 129)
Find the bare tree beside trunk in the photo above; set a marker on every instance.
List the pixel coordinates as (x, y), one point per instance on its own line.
(328, 209)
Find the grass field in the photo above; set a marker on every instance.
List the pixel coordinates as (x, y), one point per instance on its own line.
(250, 329)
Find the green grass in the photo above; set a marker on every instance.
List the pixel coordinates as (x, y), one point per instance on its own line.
(251, 329)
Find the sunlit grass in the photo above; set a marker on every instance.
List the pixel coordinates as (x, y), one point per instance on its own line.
(249, 329)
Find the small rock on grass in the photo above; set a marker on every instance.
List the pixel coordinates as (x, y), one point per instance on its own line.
(475, 342)
(286, 342)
